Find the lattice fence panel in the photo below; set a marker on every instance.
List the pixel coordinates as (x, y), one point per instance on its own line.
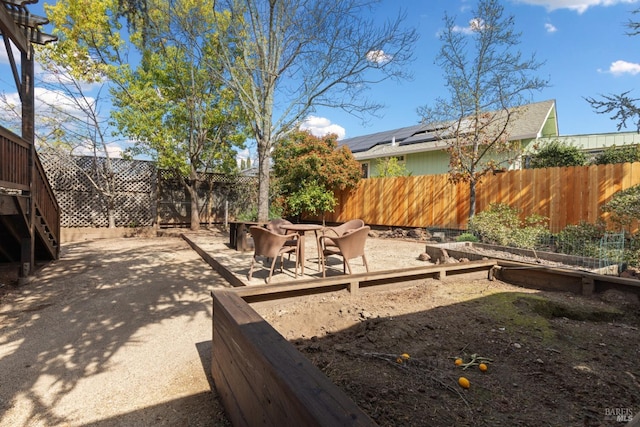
(219, 197)
(76, 182)
(143, 194)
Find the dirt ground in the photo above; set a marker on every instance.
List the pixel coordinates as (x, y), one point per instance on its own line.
(552, 359)
(118, 332)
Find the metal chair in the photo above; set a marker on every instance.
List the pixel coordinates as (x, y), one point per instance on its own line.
(271, 245)
(350, 245)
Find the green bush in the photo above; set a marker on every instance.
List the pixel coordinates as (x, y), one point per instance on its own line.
(613, 154)
(467, 237)
(624, 206)
(558, 154)
(632, 253)
(581, 239)
(501, 225)
(249, 215)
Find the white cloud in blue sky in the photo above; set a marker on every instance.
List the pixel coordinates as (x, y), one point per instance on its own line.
(579, 6)
(321, 126)
(550, 28)
(620, 67)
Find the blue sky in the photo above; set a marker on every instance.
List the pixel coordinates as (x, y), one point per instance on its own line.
(583, 43)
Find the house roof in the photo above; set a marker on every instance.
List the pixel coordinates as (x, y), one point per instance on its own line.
(536, 120)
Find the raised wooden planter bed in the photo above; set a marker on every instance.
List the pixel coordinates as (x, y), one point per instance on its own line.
(263, 380)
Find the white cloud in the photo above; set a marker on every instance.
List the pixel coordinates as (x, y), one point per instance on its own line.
(550, 28)
(321, 126)
(623, 67)
(45, 99)
(378, 56)
(579, 6)
(475, 24)
(113, 149)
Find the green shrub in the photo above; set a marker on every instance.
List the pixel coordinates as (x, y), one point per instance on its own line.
(557, 154)
(467, 237)
(501, 225)
(581, 239)
(613, 154)
(624, 206)
(275, 211)
(632, 253)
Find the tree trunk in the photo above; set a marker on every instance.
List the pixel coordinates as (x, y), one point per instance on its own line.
(111, 212)
(192, 188)
(263, 180)
(195, 211)
(472, 198)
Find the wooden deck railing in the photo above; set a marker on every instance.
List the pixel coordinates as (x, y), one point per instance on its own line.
(14, 161)
(15, 174)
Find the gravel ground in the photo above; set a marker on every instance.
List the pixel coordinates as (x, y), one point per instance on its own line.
(116, 332)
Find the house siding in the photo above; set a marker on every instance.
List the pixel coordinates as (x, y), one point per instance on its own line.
(596, 142)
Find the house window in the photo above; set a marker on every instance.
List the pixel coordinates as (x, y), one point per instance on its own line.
(365, 170)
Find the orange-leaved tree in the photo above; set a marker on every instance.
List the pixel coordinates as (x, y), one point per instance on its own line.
(309, 169)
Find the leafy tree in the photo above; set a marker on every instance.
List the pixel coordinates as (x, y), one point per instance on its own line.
(391, 167)
(309, 169)
(613, 154)
(622, 107)
(289, 57)
(169, 104)
(487, 79)
(557, 154)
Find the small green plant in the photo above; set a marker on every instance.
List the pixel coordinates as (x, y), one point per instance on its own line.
(275, 211)
(467, 237)
(391, 167)
(501, 225)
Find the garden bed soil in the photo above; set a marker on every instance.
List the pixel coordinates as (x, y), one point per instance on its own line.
(553, 359)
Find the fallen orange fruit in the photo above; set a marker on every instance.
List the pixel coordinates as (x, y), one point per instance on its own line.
(483, 367)
(464, 383)
(458, 362)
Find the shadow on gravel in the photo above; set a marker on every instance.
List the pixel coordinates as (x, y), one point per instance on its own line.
(68, 323)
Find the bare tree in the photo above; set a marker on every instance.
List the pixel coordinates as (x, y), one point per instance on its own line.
(622, 107)
(69, 122)
(488, 82)
(291, 56)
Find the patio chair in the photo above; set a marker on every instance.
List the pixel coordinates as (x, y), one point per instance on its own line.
(339, 230)
(275, 225)
(350, 245)
(271, 245)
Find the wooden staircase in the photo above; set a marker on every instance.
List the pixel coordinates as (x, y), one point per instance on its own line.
(29, 213)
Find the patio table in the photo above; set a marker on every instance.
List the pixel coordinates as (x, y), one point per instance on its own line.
(301, 229)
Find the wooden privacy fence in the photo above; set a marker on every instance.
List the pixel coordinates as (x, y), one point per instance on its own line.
(565, 195)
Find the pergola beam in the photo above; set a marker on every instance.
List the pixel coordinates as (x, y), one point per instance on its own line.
(9, 29)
